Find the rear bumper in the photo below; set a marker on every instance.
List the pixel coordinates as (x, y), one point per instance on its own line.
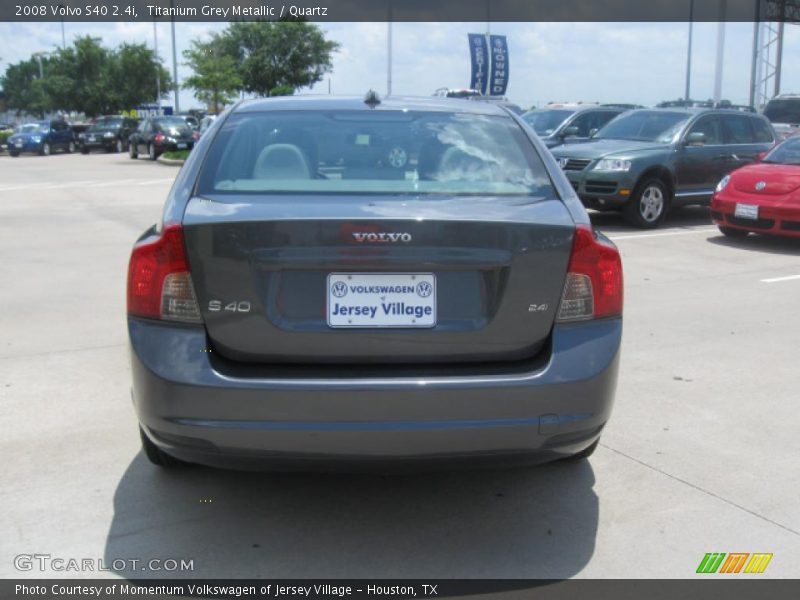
(193, 410)
(173, 146)
(27, 146)
(104, 144)
(602, 189)
(776, 218)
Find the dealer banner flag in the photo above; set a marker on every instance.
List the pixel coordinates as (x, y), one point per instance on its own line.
(480, 62)
(498, 81)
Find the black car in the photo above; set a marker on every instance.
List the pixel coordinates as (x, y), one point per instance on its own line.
(156, 135)
(109, 133)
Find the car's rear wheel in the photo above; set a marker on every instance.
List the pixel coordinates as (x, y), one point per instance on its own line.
(156, 455)
(585, 453)
(151, 152)
(733, 232)
(120, 146)
(648, 204)
(132, 150)
(45, 151)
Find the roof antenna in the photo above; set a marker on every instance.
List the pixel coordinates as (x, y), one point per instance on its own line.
(372, 99)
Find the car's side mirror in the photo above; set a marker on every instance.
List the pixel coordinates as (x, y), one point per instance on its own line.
(570, 132)
(696, 138)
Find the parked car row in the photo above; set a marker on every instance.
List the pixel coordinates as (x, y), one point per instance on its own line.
(110, 133)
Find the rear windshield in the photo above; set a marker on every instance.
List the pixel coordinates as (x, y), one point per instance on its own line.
(172, 124)
(783, 111)
(644, 126)
(106, 123)
(380, 152)
(787, 153)
(34, 128)
(545, 122)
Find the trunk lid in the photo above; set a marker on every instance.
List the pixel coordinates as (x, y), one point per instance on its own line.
(262, 273)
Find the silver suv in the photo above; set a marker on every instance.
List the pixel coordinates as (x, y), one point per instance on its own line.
(784, 113)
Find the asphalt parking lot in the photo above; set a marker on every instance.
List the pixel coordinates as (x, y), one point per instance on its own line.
(701, 453)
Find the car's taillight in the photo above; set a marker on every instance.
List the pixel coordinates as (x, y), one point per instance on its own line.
(159, 137)
(593, 288)
(159, 283)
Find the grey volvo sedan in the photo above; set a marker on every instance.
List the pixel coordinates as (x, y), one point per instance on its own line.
(308, 299)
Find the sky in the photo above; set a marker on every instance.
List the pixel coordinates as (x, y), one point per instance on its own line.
(640, 63)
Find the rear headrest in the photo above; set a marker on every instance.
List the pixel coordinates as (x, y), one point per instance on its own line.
(281, 161)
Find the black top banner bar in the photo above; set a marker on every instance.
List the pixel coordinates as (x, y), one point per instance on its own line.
(400, 10)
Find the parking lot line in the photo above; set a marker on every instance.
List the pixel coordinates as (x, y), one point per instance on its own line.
(17, 187)
(661, 234)
(779, 279)
(113, 183)
(66, 184)
(154, 181)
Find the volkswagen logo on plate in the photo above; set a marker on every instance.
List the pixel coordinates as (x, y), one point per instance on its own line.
(761, 185)
(339, 289)
(424, 289)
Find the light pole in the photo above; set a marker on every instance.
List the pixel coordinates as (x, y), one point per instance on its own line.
(63, 35)
(174, 62)
(388, 53)
(689, 51)
(720, 52)
(158, 66)
(38, 56)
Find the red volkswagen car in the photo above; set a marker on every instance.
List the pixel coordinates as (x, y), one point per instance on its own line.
(763, 197)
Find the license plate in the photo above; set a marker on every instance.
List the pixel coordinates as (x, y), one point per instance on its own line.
(381, 300)
(181, 146)
(746, 211)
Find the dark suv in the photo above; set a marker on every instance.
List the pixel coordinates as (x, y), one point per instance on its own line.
(557, 124)
(648, 160)
(109, 133)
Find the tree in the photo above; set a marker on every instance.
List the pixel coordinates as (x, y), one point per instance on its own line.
(24, 89)
(282, 54)
(82, 82)
(86, 77)
(216, 80)
(133, 76)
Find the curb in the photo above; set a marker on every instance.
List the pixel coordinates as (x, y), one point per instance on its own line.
(171, 162)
